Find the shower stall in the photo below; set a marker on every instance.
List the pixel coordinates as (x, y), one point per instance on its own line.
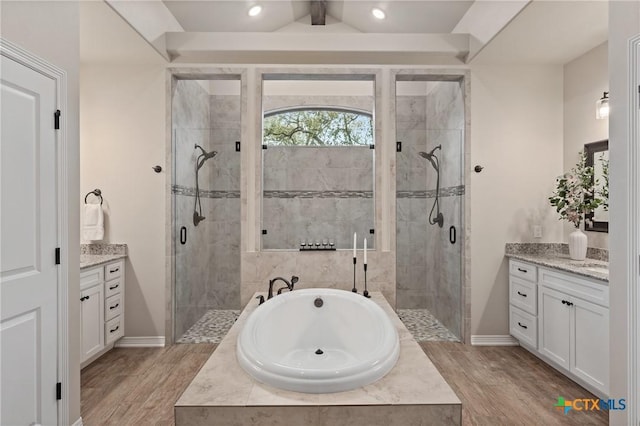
(430, 125)
(206, 208)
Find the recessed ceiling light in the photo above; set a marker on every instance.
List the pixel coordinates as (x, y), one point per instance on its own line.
(255, 10)
(378, 13)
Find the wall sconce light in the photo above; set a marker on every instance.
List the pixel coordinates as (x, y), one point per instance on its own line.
(602, 106)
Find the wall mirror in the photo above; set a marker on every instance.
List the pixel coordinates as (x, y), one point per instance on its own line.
(318, 153)
(598, 157)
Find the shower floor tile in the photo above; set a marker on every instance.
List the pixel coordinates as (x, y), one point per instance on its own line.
(425, 327)
(211, 328)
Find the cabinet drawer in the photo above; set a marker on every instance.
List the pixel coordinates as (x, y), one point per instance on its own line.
(113, 287)
(523, 270)
(91, 277)
(523, 326)
(112, 307)
(523, 294)
(113, 270)
(113, 329)
(576, 286)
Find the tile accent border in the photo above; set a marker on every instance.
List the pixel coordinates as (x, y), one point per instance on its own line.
(494, 340)
(318, 194)
(450, 191)
(191, 192)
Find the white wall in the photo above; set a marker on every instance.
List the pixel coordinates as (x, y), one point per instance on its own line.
(122, 135)
(56, 40)
(516, 135)
(624, 22)
(585, 79)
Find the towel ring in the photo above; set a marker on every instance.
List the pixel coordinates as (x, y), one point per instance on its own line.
(95, 192)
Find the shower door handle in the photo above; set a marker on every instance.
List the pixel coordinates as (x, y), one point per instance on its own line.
(183, 235)
(452, 234)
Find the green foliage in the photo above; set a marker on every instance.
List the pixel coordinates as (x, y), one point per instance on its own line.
(574, 195)
(318, 128)
(603, 191)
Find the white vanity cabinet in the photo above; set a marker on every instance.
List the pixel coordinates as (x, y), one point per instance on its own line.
(572, 321)
(92, 320)
(101, 309)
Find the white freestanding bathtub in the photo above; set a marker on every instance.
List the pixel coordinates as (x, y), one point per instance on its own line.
(318, 341)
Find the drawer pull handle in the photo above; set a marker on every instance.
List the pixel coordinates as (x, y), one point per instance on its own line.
(82, 299)
(113, 287)
(114, 306)
(111, 271)
(522, 270)
(114, 329)
(522, 294)
(523, 326)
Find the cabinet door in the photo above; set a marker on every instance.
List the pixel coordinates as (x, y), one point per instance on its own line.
(92, 321)
(554, 326)
(590, 357)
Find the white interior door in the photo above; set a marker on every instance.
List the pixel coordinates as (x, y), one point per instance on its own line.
(28, 274)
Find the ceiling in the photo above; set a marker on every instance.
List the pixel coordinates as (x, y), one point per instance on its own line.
(402, 16)
(549, 32)
(440, 32)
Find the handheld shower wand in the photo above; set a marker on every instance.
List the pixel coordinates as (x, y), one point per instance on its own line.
(200, 160)
(431, 157)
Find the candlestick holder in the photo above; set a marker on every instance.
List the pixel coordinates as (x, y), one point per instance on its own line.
(366, 292)
(354, 276)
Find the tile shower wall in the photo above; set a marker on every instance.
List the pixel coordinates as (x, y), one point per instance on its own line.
(207, 267)
(223, 208)
(428, 266)
(317, 193)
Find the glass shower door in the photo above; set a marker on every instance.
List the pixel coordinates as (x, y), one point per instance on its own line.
(429, 202)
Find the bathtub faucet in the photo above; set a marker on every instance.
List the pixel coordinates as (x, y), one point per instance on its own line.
(289, 284)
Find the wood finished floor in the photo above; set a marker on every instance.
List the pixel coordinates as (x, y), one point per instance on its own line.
(497, 385)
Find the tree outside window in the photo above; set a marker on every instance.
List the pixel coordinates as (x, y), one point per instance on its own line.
(318, 127)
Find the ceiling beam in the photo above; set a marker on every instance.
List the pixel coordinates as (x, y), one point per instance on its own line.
(318, 12)
(193, 44)
(485, 19)
(150, 19)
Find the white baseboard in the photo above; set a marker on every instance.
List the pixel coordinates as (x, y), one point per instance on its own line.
(494, 340)
(141, 342)
(78, 422)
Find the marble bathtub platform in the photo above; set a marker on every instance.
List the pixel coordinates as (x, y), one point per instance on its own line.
(413, 393)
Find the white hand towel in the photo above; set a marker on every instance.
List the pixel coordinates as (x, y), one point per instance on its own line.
(93, 229)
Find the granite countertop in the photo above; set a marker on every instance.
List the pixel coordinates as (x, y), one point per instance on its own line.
(100, 253)
(89, 260)
(554, 256)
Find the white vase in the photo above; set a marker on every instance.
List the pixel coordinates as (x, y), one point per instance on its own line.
(578, 245)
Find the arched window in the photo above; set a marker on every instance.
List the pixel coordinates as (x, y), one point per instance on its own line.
(318, 126)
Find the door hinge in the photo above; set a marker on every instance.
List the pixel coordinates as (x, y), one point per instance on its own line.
(264, 146)
(372, 146)
(398, 146)
(57, 255)
(58, 391)
(237, 146)
(56, 120)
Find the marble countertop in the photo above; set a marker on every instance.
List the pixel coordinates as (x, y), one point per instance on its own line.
(89, 260)
(590, 268)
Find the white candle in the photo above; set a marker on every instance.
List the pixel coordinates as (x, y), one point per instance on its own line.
(365, 251)
(354, 245)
